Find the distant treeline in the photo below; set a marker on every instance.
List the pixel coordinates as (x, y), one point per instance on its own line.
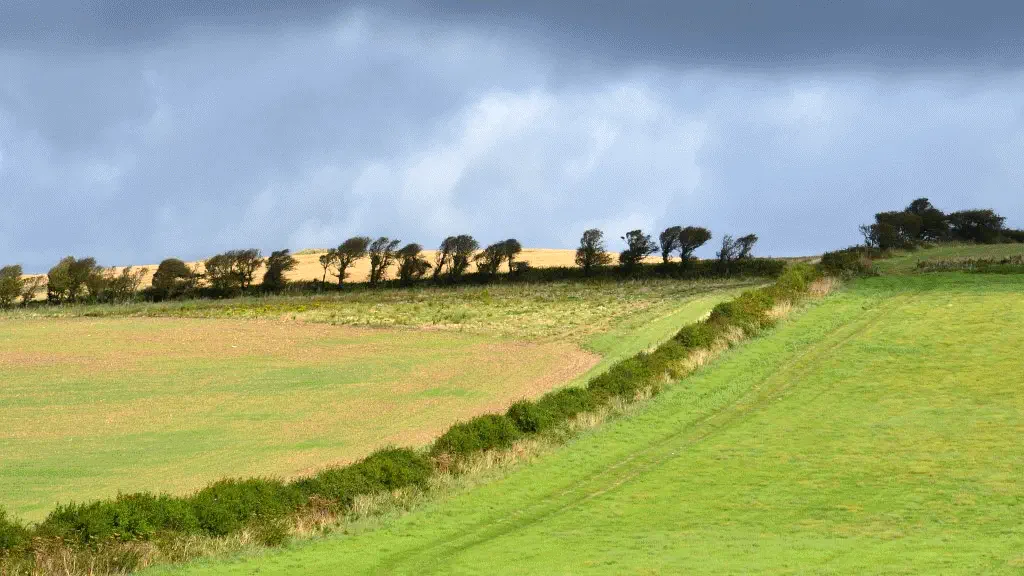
(919, 224)
(233, 273)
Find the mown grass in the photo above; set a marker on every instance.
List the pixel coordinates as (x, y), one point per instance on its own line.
(877, 432)
(98, 400)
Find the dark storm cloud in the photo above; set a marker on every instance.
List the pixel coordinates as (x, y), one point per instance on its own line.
(716, 32)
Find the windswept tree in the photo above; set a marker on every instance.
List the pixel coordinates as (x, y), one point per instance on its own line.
(327, 261)
(348, 253)
(592, 252)
(511, 248)
(67, 281)
(488, 261)
(30, 287)
(638, 247)
(982, 226)
(690, 239)
(669, 242)
(745, 246)
(11, 285)
(382, 255)
(120, 285)
(278, 264)
(411, 264)
(173, 278)
(220, 273)
(443, 257)
(729, 252)
(465, 246)
(246, 263)
(934, 225)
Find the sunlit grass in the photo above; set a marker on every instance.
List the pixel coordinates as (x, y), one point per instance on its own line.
(878, 432)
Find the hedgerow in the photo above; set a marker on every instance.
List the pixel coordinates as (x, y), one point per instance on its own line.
(264, 506)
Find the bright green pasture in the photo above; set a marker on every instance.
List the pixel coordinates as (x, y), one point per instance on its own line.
(91, 405)
(906, 262)
(877, 432)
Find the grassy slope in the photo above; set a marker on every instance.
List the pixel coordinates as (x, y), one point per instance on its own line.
(877, 432)
(170, 404)
(906, 263)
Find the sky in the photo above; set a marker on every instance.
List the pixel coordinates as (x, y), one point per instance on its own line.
(138, 130)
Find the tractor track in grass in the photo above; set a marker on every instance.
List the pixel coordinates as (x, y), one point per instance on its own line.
(426, 558)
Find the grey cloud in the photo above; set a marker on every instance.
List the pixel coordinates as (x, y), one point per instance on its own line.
(887, 33)
(298, 137)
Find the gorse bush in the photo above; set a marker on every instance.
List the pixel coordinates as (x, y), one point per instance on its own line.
(127, 517)
(854, 261)
(384, 470)
(486, 432)
(12, 533)
(229, 505)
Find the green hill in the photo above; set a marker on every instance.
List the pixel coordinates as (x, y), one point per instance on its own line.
(877, 431)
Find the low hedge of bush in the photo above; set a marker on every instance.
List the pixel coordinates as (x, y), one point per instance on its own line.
(265, 505)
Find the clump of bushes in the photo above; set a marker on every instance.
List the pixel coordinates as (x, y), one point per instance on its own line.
(486, 432)
(127, 517)
(12, 533)
(853, 261)
(384, 470)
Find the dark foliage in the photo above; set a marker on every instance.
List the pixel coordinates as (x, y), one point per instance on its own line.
(668, 241)
(486, 432)
(638, 247)
(592, 252)
(384, 470)
(347, 254)
(691, 238)
(982, 226)
(382, 255)
(128, 517)
(12, 533)
(853, 261)
(11, 285)
(228, 505)
(279, 262)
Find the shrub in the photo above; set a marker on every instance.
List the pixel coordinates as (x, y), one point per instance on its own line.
(699, 335)
(1014, 235)
(12, 533)
(846, 263)
(11, 285)
(384, 470)
(137, 516)
(747, 311)
(528, 417)
(485, 432)
(624, 379)
(228, 505)
(566, 403)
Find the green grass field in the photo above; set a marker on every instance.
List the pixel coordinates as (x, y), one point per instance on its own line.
(877, 431)
(169, 397)
(906, 262)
